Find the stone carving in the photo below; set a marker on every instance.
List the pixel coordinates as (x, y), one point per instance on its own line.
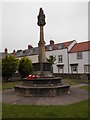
(41, 18)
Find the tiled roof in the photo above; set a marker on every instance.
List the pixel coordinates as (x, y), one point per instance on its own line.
(59, 45)
(35, 50)
(80, 47)
(27, 52)
(66, 44)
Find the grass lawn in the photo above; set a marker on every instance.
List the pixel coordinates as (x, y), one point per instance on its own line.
(73, 81)
(0, 86)
(10, 85)
(77, 110)
(86, 88)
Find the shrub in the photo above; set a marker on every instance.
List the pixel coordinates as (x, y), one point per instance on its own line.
(25, 67)
(51, 59)
(9, 67)
(19, 50)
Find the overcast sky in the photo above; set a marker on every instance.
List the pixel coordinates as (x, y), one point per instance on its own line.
(65, 21)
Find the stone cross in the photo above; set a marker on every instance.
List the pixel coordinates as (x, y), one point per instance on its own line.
(41, 44)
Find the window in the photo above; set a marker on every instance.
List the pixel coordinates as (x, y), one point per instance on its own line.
(74, 68)
(60, 58)
(60, 46)
(51, 48)
(79, 55)
(87, 68)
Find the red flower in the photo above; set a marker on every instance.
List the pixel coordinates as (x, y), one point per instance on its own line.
(31, 76)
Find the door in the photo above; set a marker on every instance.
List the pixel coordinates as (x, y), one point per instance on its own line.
(60, 69)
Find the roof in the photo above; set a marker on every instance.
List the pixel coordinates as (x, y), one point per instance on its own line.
(59, 46)
(66, 44)
(2, 54)
(28, 52)
(35, 50)
(81, 47)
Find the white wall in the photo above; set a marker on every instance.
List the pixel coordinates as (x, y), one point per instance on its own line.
(72, 60)
(81, 62)
(88, 57)
(34, 58)
(62, 52)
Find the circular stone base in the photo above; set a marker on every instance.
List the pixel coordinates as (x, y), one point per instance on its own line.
(74, 95)
(43, 87)
(49, 91)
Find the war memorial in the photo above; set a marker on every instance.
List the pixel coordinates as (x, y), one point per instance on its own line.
(45, 84)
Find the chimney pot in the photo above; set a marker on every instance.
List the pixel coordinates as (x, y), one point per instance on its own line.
(6, 50)
(51, 42)
(30, 46)
(14, 52)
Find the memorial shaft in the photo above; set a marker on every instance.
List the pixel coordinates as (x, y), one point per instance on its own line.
(42, 56)
(41, 44)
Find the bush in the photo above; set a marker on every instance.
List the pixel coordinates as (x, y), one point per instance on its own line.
(19, 50)
(9, 67)
(51, 59)
(25, 67)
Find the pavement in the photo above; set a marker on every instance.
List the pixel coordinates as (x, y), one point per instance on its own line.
(79, 85)
(74, 95)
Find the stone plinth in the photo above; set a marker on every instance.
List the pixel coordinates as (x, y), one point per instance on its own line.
(42, 87)
(46, 68)
(51, 91)
(42, 82)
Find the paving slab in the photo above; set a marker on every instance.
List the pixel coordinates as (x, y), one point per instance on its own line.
(73, 96)
(80, 85)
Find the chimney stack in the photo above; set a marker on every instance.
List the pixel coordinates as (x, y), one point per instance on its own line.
(51, 42)
(30, 46)
(14, 52)
(6, 51)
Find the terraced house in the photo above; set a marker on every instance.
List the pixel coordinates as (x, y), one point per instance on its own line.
(71, 57)
(79, 58)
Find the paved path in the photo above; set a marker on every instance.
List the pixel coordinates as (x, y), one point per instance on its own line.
(80, 85)
(75, 95)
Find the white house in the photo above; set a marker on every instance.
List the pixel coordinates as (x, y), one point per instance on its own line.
(33, 58)
(60, 50)
(62, 55)
(71, 57)
(79, 58)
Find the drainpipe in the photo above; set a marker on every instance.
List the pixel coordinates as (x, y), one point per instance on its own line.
(68, 59)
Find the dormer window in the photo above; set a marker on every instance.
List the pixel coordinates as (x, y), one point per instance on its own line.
(24, 51)
(60, 46)
(50, 47)
(79, 55)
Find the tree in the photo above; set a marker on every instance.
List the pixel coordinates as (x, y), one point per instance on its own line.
(19, 50)
(51, 59)
(9, 67)
(25, 67)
